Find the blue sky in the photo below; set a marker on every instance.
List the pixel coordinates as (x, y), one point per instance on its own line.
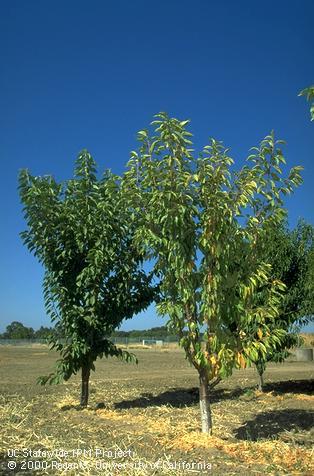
(77, 74)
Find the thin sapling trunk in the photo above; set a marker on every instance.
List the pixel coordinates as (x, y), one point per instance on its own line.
(206, 417)
(261, 381)
(85, 385)
(260, 371)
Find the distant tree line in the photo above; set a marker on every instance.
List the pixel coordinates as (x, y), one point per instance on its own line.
(17, 330)
(155, 332)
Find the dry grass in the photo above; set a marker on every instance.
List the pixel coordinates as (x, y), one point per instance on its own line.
(173, 430)
(157, 417)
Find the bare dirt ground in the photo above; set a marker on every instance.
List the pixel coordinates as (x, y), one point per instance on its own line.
(150, 414)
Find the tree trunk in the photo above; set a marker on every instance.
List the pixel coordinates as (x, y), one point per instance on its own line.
(206, 417)
(260, 367)
(85, 383)
(260, 380)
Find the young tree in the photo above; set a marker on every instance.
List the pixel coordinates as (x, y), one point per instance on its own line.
(81, 231)
(290, 255)
(201, 222)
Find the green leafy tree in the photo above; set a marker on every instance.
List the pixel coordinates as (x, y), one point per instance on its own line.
(290, 255)
(17, 330)
(309, 94)
(200, 224)
(81, 231)
(43, 333)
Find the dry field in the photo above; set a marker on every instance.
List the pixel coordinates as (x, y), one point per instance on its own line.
(145, 418)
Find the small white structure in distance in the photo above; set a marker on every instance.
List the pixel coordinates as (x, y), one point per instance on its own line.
(158, 343)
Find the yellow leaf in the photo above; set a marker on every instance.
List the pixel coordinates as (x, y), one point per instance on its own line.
(241, 360)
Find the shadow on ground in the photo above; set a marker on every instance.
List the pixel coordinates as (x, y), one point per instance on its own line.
(270, 424)
(7, 470)
(180, 397)
(291, 386)
(65, 408)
